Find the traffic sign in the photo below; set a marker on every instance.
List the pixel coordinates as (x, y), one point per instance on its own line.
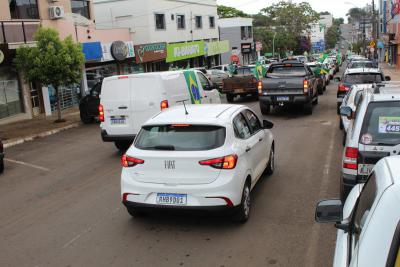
(372, 43)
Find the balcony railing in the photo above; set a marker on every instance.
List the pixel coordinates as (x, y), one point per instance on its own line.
(18, 31)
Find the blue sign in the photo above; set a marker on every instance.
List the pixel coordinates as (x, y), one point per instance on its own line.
(92, 51)
(380, 44)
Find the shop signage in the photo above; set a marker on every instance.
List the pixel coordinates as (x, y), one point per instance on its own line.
(92, 51)
(395, 8)
(216, 48)
(150, 52)
(119, 50)
(107, 55)
(246, 48)
(182, 51)
(1, 57)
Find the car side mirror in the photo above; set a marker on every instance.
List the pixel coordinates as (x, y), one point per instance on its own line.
(387, 78)
(346, 111)
(329, 211)
(267, 124)
(337, 79)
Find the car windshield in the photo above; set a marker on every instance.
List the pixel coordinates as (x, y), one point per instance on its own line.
(362, 64)
(286, 70)
(381, 125)
(245, 71)
(180, 137)
(361, 78)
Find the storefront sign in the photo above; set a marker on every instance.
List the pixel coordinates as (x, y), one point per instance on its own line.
(107, 51)
(1, 56)
(119, 50)
(150, 52)
(216, 48)
(181, 51)
(246, 48)
(92, 51)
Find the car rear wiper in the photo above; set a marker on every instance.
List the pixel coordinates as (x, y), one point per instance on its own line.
(162, 147)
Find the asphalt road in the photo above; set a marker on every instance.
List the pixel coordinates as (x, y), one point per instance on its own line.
(60, 204)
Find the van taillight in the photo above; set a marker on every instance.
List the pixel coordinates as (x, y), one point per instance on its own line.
(164, 104)
(101, 113)
(226, 163)
(127, 161)
(305, 86)
(350, 158)
(259, 87)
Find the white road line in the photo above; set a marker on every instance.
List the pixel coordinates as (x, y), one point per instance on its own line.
(27, 164)
(312, 250)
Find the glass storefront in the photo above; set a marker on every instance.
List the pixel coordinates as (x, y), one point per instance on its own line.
(10, 93)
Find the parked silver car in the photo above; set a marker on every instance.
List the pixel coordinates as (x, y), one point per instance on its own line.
(217, 76)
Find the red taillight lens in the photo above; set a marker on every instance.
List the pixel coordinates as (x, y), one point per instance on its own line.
(350, 158)
(127, 161)
(164, 104)
(226, 163)
(305, 86)
(259, 87)
(343, 88)
(101, 113)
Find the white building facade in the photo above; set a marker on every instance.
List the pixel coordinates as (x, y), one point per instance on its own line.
(318, 31)
(160, 26)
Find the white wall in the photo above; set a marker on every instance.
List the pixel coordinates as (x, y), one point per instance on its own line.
(316, 33)
(138, 15)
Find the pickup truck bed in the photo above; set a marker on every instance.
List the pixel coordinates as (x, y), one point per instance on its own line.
(242, 84)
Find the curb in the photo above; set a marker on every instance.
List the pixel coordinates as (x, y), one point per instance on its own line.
(18, 141)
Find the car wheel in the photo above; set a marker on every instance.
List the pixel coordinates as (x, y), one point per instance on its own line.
(122, 145)
(135, 213)
(271, 163)
(320, 90)
(344, 139)
(344, 191)
(243, 212)
(341, 126)
(308, 108)
(85, 118)
(315, 102)
(265, 109)
(255, 96)
(2, 166)
(230, 97)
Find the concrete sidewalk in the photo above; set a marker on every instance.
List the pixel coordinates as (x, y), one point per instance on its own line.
(27, 130)
(391, 71)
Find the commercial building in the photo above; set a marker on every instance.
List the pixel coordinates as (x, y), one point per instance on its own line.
(318, 31)
(239, 33)
(166, 33)
(389, 35)
(20, 19)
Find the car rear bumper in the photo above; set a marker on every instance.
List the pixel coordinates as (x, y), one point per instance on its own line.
(240, 91)
(112, 138)
(293, 99)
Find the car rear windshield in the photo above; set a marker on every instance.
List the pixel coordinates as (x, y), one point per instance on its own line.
(381, 125)
(286, 70)
(358, 64)
(361, 78)
(245, 71)
(180, 137)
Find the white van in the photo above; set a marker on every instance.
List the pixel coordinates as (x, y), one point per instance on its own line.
(127, 101)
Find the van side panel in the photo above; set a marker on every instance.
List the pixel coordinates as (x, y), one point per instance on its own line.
(176, 89)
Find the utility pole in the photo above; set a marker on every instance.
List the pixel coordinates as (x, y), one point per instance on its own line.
(374, 29)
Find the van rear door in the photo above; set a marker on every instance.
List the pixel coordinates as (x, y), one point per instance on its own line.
(115, 98)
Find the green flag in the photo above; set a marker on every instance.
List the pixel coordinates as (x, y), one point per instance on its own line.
(259, 70)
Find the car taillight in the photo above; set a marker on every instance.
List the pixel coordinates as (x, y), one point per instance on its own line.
(305, 86)
(127, 161)
(226, 163)
(164, 104)
(101, 113)
(350, 158)
(343, 88)
(259, 87)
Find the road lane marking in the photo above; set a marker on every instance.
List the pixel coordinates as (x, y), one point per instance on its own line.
(312, 250)
(27, 164)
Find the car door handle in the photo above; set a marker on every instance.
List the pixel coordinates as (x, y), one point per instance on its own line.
(205, 96)
(248, 149)
(260, 140)
(123, 107)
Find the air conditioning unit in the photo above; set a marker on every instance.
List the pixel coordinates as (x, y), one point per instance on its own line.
(56, 12)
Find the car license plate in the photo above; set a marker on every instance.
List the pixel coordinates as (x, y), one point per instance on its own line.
(282, 98)
(365, 169)
(118, 120)
(171, 199)
(239, 91)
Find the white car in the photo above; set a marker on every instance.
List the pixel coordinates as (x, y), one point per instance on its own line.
(374, 133)
(201, 157)
(368, 223)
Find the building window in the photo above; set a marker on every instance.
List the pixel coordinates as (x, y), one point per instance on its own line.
(81, 7)
(246, 32)
(212, 22)
(23, 9)
(180, 20)
(199, 22)
(10, 93)
(160, 21)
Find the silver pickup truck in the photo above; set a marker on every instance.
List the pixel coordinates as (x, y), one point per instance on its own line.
(288, 83)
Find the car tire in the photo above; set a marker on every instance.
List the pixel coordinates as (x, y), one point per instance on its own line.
(315, 102)
(122, 145)
(265, 109)
(341, 126)
(308, 108)
(320, 90)
(2, 166)
(255, 96)
(344, 191)
(271, 163)
(230, 97)
(135, 213)
(344, 139)
(243, 210)
(85, 118)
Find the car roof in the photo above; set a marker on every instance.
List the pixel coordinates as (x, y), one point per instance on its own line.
(160, 74)
(209, 114)
(393, 164)
(363, 70)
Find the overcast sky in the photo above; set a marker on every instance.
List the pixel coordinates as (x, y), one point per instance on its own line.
(337, 7)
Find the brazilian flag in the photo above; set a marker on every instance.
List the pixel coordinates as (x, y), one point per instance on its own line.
(192, 86)
(259, 71)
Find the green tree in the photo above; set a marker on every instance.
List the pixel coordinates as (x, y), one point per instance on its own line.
(332, 36)
(357, 14)
(51, 62)
(230, 12)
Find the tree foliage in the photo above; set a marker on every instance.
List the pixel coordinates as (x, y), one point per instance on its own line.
(230, 12)
(52, 61)
(356, 14)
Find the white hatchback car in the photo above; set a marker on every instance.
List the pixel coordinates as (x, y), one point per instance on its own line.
(368, 223)
(202, 157)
